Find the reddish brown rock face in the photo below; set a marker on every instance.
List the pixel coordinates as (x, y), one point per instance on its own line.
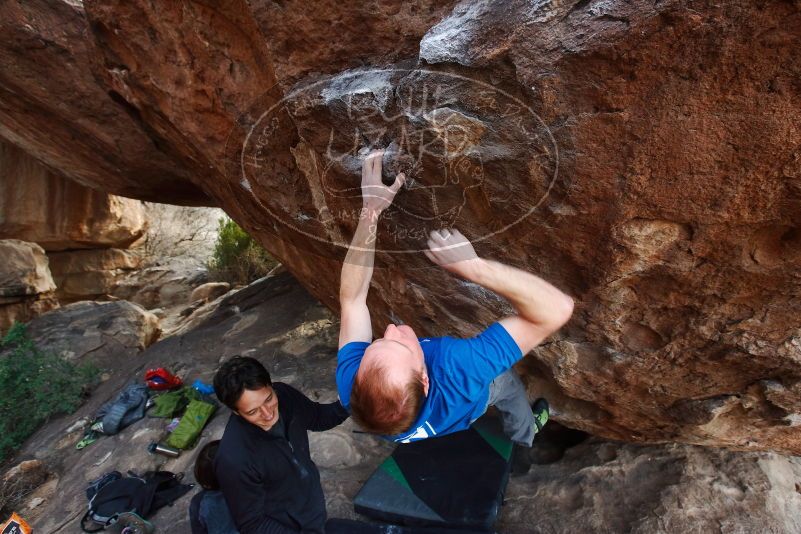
(337, 35)
(52, 107)
(651, 168)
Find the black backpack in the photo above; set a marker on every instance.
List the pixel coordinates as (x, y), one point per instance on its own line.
(113, 494)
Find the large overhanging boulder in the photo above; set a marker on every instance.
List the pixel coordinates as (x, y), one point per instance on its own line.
(643, 156)
(52, 107)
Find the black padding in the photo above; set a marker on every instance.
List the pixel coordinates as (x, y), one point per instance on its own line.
(455, 481)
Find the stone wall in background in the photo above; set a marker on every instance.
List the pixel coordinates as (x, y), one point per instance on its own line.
(95, 241)
(85, 232)
(40, 206)
(26, 285)
(90, 274)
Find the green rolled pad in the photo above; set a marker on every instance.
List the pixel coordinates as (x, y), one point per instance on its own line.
(172, 403)
(191, 425)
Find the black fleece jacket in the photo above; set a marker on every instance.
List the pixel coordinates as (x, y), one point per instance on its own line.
(270, 483)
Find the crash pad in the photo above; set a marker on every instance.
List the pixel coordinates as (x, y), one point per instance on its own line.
(455, 481)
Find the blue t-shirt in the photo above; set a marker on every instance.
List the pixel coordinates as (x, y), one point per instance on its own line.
(459, 375)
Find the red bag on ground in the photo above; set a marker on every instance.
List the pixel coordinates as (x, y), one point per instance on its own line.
(160, 379)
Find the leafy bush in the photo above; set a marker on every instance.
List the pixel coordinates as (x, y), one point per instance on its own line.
(237, 257)
(35, 385)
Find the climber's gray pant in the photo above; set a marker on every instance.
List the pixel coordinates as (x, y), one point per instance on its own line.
(509, 397)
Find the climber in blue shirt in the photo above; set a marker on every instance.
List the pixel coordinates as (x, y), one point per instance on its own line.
(406, 388)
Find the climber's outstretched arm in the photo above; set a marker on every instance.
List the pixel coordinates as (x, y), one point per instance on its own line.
(357, 270)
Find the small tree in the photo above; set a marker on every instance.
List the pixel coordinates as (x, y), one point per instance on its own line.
(179, 231)
(237, 257)
(36, 385)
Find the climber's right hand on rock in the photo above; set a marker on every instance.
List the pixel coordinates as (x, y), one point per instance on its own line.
(452, 251)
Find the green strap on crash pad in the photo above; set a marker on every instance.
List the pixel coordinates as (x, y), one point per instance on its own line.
(393, 469)
(501, 444)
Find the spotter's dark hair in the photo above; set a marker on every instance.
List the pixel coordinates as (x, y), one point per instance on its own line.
(236, 375)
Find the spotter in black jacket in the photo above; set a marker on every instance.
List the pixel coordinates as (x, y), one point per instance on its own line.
(268, 479)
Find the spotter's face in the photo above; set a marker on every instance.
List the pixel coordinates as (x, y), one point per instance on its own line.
(258, 407)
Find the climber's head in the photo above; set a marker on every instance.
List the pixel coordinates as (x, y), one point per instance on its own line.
(391, 384)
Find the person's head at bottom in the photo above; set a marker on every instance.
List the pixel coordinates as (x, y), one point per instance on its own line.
(391, 384)
(244, 385)
(204, 466)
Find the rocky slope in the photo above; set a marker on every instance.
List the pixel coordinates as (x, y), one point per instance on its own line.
(643, 156)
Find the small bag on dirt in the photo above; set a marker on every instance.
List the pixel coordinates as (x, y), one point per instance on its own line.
(114, 495)
(161, 379)
(191, 425)
(95, 485)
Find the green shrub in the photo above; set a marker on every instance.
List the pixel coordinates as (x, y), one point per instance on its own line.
(237, 257)
(35, 385)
